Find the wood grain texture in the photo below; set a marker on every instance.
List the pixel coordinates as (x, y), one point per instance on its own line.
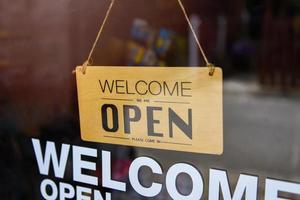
(193, 88)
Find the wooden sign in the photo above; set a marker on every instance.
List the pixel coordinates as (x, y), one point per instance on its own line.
(174, 108)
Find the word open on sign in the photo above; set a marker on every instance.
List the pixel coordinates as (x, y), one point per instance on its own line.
(178, 108)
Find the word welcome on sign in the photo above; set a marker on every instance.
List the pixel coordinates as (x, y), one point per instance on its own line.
(84, 167)
(177, 108)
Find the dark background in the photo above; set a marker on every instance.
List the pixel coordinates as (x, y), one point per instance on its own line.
(41, 42)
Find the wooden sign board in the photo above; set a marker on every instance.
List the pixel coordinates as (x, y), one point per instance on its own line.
(174, 108)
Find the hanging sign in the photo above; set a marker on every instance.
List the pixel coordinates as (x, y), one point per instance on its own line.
(174, 108)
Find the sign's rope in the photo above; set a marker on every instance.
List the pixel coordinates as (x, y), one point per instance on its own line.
(89, 60)
(208, 64)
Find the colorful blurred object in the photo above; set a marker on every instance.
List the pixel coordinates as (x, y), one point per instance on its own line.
(142, 32)
(136, 53)
(163, 42)
(149, 47)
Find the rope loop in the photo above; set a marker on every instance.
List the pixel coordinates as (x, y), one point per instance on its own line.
(88, 62)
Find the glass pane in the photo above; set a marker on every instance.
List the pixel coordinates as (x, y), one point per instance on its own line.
(256, 43)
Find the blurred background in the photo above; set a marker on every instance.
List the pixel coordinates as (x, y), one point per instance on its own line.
(256, 42)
